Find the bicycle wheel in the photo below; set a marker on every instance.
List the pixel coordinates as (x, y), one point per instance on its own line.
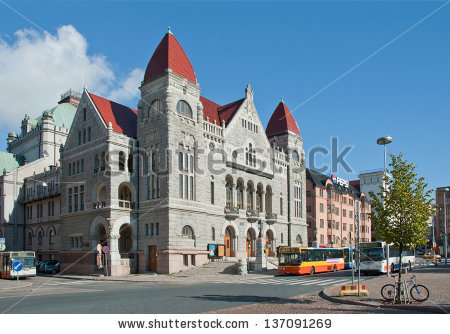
(419, 292)
(388, 292)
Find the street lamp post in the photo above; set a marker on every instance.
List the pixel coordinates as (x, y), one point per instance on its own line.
(384, 141)
(445, 191)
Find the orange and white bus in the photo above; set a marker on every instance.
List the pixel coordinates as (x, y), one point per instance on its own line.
(298, 260)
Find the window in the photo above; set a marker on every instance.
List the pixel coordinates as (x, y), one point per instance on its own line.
(321, 223)
(298, 200)
(51, 237)
(75, 199)
(79, 138)
(329, 208)
(344, 227)
(70, 169)
(321, 192)
(321, 239)
(344, 213)
(146, 229)
(184, 109)
(81, 198)
(155, 108)
(282, 238)
(186, 259)
(89, 134)
(40, 238)
(84, 136)
(186, 176)
(298, 239)
(281, 206)
(152, 232)
(295, 156)
(78, 166)
(187, 232)
(130, 163)
(362, 216)
(350, 214)
(328, 194)
(69, 200)
(84, 114)
(156, 228)
(212, 192)
(213, 234)
(329, 223)
(321, 207)
(250, 156)
(121, 161)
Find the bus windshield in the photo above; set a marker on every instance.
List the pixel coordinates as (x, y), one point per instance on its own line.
(290, 259)
(28, 262)
(372, 254)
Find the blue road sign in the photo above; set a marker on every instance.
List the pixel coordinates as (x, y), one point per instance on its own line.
(105, 249)
(17, 266)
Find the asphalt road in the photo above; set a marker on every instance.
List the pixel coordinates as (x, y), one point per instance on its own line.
(57, 295)
(63, 296)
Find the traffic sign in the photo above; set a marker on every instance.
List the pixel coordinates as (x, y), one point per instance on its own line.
(105, 249)
(2, 240)
(17, 266)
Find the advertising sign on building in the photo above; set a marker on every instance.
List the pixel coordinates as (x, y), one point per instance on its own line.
(338, 180)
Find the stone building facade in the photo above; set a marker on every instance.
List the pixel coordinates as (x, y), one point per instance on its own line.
(160, 183)
(34, 151)
(332, 212)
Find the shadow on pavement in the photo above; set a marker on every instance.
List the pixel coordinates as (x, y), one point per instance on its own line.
(251, 299)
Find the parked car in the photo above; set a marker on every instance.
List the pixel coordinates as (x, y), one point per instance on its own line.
(49, 266)
(420, 251)
(430, 255)
(38, 265)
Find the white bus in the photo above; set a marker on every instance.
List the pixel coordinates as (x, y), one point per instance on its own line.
(373, 258)
(8, 258)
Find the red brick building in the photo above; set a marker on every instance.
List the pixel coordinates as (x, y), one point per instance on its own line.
(331, 204)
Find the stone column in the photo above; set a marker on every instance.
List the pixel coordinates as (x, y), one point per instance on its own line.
(263, 199)
(114, 255)
(233, 195)
(260, 261)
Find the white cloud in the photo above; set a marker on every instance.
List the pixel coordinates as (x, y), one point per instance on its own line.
(37, 67)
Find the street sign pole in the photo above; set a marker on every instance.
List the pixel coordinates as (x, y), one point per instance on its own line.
(357, 244)
(17, 266)
(351, 259)
(106, 250)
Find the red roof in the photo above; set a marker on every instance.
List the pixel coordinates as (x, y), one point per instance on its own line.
(281, 121)
(169, 54)
(218, 113)
(123, 119)
(355, 184)
(226, 112)
(210, 110)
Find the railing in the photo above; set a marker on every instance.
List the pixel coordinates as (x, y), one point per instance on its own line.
(231, 211)
(126, 204)
(99, 205)
(252, 215)
(46, 192)
(271, 217)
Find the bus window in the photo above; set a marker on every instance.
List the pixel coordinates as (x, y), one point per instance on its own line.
(305, 255)
(290, 259)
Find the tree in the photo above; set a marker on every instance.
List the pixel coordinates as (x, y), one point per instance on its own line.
(403, 210)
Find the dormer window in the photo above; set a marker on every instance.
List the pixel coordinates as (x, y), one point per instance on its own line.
(184, 109)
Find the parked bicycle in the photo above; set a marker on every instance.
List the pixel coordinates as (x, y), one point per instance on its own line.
(418, 292)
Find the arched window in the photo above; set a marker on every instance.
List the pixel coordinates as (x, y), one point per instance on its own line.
(155, 108)
(259, 200)
(184, 109)
(40, 238)
(250, 156)
(51, 237)
(295, 156)
(249, 195)
(240, 194)
(187, 232)
(298, 239)
(121, 160)
(229, 195)
(29, 239)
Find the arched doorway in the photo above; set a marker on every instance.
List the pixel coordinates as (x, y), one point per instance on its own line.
(269, 243)
(250, 242)
(102, 240)
(228, 241)
(125, 240)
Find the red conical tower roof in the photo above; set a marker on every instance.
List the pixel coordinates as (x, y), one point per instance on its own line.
(282, 121)
(169, 55)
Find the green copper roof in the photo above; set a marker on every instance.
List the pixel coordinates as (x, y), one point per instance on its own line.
(10, 162)
(63, 115)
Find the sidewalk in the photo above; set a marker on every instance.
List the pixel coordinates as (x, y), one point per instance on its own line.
(435, 278)
(213, 271)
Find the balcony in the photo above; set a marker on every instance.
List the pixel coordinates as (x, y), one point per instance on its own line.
(271, 218)
(252, 215)
(231, 212)
(126, 204)
(99, 205)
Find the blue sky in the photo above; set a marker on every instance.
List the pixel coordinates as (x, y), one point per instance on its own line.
(284, 49)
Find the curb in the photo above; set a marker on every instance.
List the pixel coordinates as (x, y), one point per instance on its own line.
(425, 309)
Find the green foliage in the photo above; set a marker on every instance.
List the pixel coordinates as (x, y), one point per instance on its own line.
(403, 212)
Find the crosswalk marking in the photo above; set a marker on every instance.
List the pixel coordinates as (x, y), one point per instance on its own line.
(291, 281)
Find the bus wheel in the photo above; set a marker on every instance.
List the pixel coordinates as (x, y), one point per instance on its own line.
(334, 268)
(311, 272)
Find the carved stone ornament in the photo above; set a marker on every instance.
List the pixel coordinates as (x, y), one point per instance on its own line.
(187, 139)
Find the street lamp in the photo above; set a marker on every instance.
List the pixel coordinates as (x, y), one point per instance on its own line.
(384, 141)
(445, 191)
